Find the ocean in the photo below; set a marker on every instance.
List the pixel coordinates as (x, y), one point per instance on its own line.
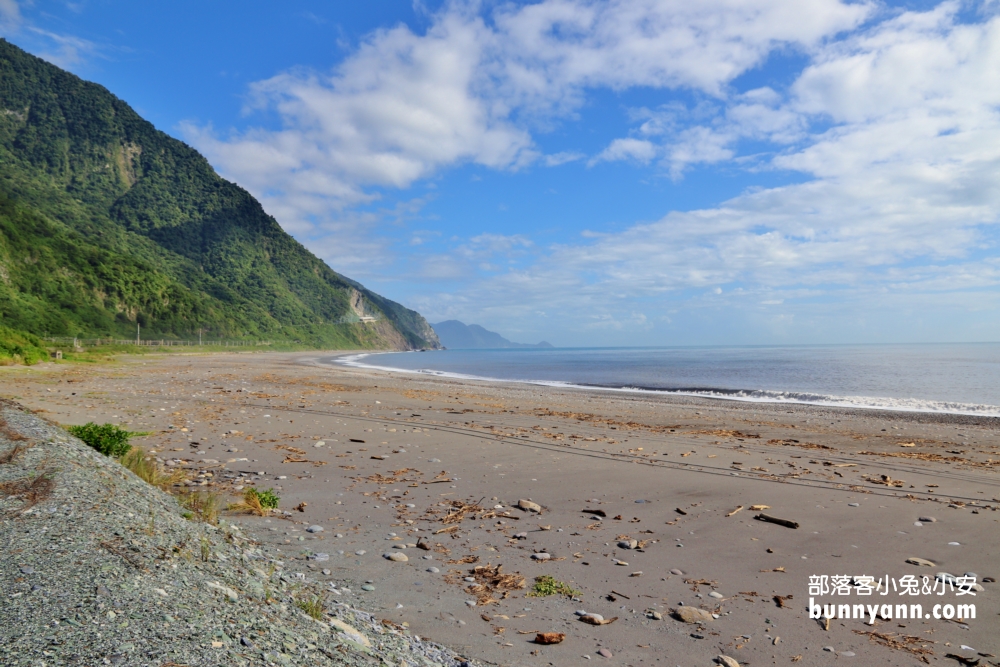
(941, 378)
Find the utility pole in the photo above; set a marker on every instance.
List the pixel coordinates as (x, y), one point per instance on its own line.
(137, 333)
(199, 337)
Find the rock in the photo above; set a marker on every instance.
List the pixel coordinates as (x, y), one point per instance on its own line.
(628, 544)
(396, 557)
(367, 587)
(314, 529)
(320, 557)
(471, 580)
(829, 648)
(580, 612)
(541, 556)
(521, 536)
(215, 586)
(359, 552)
(319, 444)
(327, 572)
(913, 560)
(854, 504)
(847, 654)
(692, 615)
(549, 637)
(27, 570)
(677, 572)
(605, 653)
(927, 519)
(726, 661)
(529, 506)
(655, 615)
(471, 603)
(716, 595)
(352, 633)
(596, 617)
(246, 642)
(945, 577)
(433, 570)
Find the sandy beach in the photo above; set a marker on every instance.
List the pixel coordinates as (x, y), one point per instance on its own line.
(643, 505)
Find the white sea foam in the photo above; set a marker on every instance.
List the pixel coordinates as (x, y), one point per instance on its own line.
(752, 396)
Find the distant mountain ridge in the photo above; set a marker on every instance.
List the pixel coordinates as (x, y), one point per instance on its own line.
(106, 223)
(457, 335)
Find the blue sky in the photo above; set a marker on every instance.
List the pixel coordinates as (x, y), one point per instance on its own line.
(629, 172)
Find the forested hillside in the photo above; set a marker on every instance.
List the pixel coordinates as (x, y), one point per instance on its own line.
(106, 222)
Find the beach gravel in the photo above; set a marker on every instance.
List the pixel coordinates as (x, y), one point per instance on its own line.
(100, 568)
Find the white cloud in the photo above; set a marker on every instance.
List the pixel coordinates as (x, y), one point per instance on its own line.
(472, 88)
(640, 150)
(10, 13)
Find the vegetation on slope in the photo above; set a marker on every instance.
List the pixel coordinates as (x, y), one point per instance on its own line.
(106, 222)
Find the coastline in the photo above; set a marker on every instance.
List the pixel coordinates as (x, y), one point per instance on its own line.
(566, 450)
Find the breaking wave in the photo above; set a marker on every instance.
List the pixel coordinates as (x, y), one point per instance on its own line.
(743, 395)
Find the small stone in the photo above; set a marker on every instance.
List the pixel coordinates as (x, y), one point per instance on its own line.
(529, 506)
(521, 536)
(692, 615)
(433, 570)
(847, 654)
(716, 595)
(396, 557)
(726, 661)
(471, 603)
(359, 552)
(854, 504)
(470, 579)
(913, 560)
(246, 642)
(954, 544)
(27, 570)
(603, 652)
(314, 529)
(677, 572)
(320, 557)
(326, 572)
(628, 544)
(367, 587)
(320, 443)
(596, 617)
(541, 556)
(580, 612)
(656, 616)
(829, 648)
(927, 519)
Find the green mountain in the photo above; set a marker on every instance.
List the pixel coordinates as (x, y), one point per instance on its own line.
(106, 222)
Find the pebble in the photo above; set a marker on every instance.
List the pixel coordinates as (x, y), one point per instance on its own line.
(726, 661)
(628, 544)
(641, 501)
(954, 544)
(913, 560)
(314, 529)
(677, 572)
(656, 616)
(27, 570)
(320, 557)
(692, 614)
(428, 557)
(847, 654)
(368, 587)
(853, 505)
(410, 505)
(433, 570)
(716, 595)
(319, 444)
(596, 617)
(470, 579)
(326, 572)
(603, 652)
(521, 536)
(829, 648)
(471, 603)
(580, 612)
(396, 557)
(359, 552)
(529, 506)
(434, 460)
(541, 556)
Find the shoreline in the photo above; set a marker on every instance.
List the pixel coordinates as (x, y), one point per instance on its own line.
(727, 395)
(379, 460)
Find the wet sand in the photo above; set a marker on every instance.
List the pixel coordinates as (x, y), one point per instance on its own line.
(382, 460)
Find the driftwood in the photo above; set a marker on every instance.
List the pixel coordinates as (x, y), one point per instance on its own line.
(781, 522)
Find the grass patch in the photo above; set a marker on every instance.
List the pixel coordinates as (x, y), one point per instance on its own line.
(546, 585)
(202, 506)
(311, 605)
(148, 470)
(257, 502)
(108, 439)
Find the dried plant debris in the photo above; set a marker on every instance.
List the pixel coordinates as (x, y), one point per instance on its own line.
(492, 584)
(29, 490)
(788, 442)
(908, 643)
(885, 480)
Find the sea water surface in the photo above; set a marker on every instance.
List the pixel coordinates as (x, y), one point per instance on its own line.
(949, 378)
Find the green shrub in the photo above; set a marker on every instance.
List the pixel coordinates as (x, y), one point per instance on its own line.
(267, 498)
(546, 585)
(108, 439)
